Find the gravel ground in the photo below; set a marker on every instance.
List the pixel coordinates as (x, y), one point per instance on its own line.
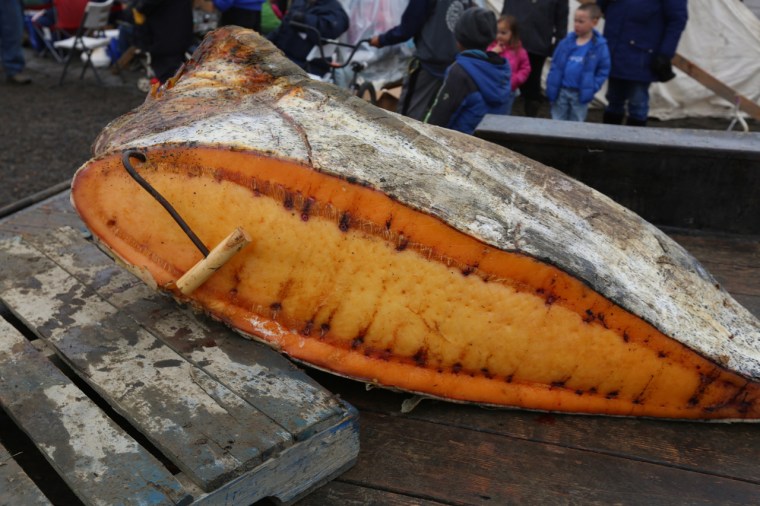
(46, 130)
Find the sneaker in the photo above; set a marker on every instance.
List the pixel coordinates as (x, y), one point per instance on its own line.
(19, 78)
(124, 60)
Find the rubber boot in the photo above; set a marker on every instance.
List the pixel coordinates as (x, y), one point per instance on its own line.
(531, 107)
(612, 118)
(636, 122)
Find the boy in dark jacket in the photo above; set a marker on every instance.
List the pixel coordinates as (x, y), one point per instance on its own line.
(478, 83)
(580, 65)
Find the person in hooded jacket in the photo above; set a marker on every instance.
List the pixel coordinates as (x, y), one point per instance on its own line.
(478, 82)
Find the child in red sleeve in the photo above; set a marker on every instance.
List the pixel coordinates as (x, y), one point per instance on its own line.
(508, 46)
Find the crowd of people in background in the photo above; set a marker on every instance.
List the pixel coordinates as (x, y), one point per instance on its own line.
(466, 63)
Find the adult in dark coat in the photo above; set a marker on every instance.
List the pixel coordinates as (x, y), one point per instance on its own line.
(431, 24)
(326, 16)
(11, 36)
(642, 36)
(542, 24)
(166, 33)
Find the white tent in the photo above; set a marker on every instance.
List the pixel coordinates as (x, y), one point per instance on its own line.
(723, 38)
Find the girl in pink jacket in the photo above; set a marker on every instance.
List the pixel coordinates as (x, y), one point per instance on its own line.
(508, 46)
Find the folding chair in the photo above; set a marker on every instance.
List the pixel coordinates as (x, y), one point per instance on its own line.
(67, 16)
(39, 36)
(94, 22)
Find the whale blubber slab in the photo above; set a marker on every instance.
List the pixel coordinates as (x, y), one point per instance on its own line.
(345, 278)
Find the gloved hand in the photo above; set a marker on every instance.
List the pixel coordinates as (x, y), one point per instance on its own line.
(663, 68)
(138, 16)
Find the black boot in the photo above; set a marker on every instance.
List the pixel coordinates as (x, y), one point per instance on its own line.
(531, 107)
(612, 118)
(636, 122)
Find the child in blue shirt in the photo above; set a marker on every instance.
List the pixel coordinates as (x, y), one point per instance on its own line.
(580, 65)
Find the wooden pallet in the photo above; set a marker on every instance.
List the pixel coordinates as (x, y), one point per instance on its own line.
(133, 399)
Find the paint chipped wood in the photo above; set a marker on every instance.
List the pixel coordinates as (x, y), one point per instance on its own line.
(240, 421)
(15, 486)
(85, 447)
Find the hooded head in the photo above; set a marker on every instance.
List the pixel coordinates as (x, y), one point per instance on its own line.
(476, 28)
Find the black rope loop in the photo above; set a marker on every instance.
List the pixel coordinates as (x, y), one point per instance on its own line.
(133, 153)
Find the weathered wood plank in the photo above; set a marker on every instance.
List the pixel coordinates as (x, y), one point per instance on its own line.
(459, 466)
(49, 214)
(751, 302)
(210, 433)
(736, 279)
(263, 377)
(733, 260)
(282, 478)
(348, 494)
(16, 488)
(96, 458)
(728, 249)
(717, 86)
(728, 450)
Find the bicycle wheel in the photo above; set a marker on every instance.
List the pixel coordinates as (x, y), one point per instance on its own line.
(367, 92)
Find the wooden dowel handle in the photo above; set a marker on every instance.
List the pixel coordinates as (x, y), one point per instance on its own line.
(217, 257)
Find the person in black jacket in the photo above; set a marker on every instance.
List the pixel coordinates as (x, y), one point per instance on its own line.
(543, 23)
(326, 16)
(431, 24)
(165, 30)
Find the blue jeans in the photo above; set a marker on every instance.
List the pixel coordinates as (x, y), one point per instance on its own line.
(11, 34)
(511, 102)
(568, 106)
(620, 91)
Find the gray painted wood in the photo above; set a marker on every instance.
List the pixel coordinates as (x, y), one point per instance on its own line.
(210, 433)
(265, 379)
(100, 462)
(15, 486)
(283, 478)
(166, 370)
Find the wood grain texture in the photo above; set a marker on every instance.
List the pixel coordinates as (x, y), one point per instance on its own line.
(209, 431)
(438, 462)
(725, 450)
(87, 308)
(296, 470)
(85, 447)
(15, 486)
(262, 377)
(348, 494)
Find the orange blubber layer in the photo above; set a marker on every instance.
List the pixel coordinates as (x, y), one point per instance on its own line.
(345, 278)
